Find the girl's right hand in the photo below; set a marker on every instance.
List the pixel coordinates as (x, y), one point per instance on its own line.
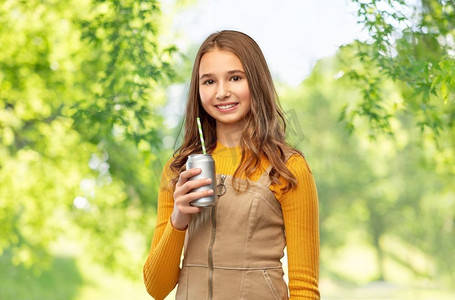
(181, 215)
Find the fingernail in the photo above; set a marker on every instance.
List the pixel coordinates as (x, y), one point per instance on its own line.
(208, 180)
(209, 192)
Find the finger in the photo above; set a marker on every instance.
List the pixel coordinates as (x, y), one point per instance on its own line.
(187, 174)
(189, 209)
(193, 184)
(186, 199)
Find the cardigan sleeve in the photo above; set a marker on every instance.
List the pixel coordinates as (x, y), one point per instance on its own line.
(162, 267)
(301, 220)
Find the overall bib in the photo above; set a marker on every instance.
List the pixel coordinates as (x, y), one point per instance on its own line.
(233, 250)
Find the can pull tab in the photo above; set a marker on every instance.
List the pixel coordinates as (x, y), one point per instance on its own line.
(221, 187)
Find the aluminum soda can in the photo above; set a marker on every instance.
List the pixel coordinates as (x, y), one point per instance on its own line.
(206, 163)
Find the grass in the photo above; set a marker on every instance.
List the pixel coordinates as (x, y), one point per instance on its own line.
(68, 278)
(383, 291)
(349, 274)
(62, 281)
(74, 278)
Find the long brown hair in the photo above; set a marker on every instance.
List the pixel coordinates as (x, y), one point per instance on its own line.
(265, 124)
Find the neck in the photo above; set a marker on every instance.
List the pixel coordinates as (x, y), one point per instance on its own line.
(229, 135)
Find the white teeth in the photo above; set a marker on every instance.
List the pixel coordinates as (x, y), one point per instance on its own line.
(226, 106)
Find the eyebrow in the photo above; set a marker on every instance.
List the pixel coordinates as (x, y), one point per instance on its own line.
(229, 72)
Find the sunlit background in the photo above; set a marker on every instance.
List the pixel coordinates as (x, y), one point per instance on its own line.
(92, 95)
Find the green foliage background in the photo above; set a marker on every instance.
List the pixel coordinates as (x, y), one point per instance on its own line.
(83, 85)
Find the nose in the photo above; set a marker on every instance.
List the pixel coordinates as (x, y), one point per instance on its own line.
(222, 91)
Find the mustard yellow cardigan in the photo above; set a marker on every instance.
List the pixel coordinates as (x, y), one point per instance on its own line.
(300, 212)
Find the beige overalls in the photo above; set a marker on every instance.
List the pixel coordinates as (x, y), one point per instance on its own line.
(233, 250)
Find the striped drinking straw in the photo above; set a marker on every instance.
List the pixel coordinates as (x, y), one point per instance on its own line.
(201, 135)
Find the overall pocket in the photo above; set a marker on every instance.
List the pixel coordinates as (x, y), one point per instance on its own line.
(269, 282)
(264, 285)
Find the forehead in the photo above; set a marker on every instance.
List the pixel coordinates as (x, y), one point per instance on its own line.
(218, 60)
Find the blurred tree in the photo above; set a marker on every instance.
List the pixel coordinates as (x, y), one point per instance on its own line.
(379, 189)
(412, 43)
(80, 130)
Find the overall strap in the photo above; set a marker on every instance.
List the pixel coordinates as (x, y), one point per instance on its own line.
(265, 179)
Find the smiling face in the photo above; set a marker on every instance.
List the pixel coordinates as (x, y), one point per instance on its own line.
(224, 90)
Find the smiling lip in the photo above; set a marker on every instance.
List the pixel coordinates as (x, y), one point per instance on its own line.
(227, 107)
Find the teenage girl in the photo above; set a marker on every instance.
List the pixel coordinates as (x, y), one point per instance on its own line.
(267, 198)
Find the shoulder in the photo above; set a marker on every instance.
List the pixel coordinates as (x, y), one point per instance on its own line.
(306, 185)
(299, 168)
(168, 163)
(298, 165)
(167, 174)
